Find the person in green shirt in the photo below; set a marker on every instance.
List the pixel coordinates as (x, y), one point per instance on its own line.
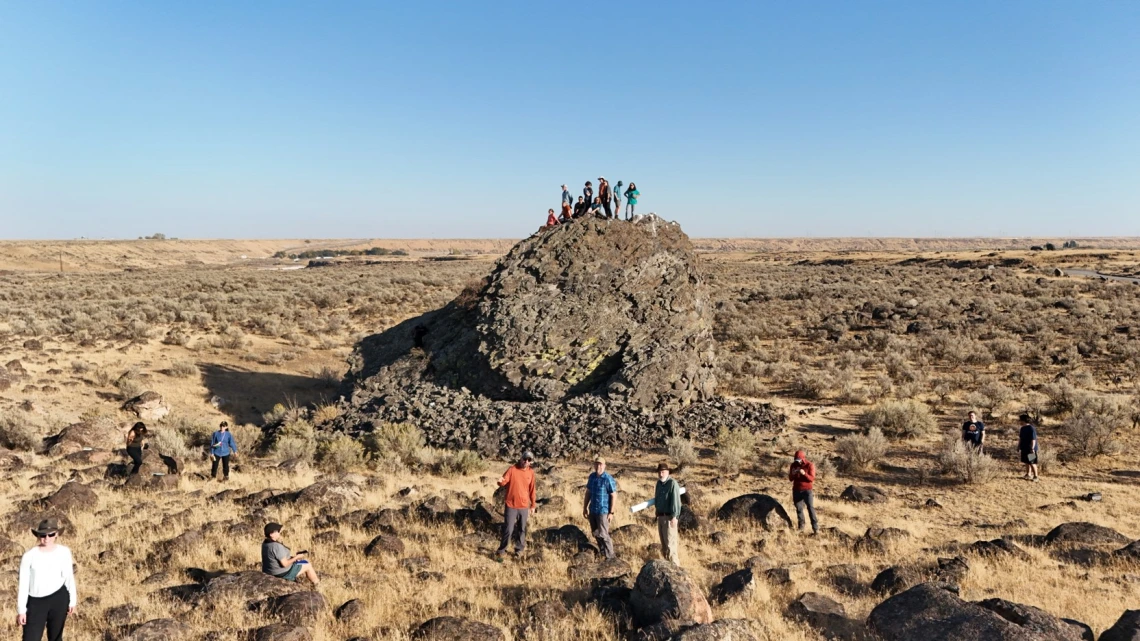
(667, 503)
(631, 195)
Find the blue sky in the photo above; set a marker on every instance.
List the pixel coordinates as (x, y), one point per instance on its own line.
(433, 119)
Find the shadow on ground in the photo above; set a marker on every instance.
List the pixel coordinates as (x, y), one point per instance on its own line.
(246, 395)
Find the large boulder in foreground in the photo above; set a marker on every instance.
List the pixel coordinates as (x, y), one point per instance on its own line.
(932, 613)
(665, 591)
(591, 306)
(591, 335)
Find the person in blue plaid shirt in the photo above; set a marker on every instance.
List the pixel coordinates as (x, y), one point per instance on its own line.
(598, 507)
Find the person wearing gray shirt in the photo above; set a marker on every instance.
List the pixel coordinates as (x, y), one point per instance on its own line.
(277, 561)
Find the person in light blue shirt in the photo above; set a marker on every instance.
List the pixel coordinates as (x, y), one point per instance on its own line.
(598, 507)
(222, 445)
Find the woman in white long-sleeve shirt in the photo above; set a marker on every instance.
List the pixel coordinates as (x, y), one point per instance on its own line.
(47, 585)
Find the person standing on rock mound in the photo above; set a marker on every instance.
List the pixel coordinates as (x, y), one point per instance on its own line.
(599, 506)
(277, 561)
(667, 503)
(631, 195)
(802, 476)
(46, 593)
(521, 503)
(588, 192)
(605, 194)
(222, 445)
(136, 441)
(567, 199)
(617, 199)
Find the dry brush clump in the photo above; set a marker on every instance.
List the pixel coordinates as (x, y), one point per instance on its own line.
(966, 463)
(861, 452)
(906, 418)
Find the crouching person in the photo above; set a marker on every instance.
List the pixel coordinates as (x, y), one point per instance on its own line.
(276, 560)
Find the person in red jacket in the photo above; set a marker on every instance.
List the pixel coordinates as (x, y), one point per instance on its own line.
(551, 221)
(802, 475)
(520, 503)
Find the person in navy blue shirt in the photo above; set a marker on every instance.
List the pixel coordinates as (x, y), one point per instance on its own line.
(974, 432)
(222, 445)
(598, 507)
(1027, 446)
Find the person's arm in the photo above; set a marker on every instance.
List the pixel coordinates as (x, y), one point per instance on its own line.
(69, 580)
(613, 495)
(233, 443)
(533, 494)
(25, 586)
(675, 500)
(809, 472)
(506, 477)
(130, 437)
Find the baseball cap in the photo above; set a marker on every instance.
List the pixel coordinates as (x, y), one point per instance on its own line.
(599, 459)
(528, 455)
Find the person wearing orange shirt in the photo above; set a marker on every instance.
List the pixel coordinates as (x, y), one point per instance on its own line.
(521, 503)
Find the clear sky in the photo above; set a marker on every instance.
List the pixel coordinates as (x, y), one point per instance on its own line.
(435, 119)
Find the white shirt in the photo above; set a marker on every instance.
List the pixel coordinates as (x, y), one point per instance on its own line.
(43, 574)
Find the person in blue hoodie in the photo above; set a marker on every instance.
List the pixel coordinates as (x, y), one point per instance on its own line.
(222, 445)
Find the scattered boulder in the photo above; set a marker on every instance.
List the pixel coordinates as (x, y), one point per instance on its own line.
(71, 497)
(1130, 552)
(998, 547)
(863, 494)
(761, 508)
(1126, 628)
(733, 585)
(456, 629)
(333, 495)
(665, 591)
(148, 406)
(720, 630)
(251, 585)
(570, 536)
(349, 611)
(824, 614)
(161, 630)
(895, 579)
(1035, 620)
(121, 615)
(299, 608)
(282, 632)
(385, 544)
(609, 569)
(1086, 534)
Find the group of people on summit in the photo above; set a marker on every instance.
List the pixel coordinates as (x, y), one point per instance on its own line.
(606, 204)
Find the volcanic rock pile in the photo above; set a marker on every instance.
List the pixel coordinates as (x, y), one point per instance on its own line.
(593, 334)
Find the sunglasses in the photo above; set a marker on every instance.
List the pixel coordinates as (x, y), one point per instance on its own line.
(46, 536)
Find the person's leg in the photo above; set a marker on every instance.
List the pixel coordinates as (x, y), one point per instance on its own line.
(37, 618)
(309, 573)
(214, 467)
(508, 529)
(57, 614)
(524, 515)
(798, 501)
(809, 499)
(663, 535)
(605, 541)
(606, 206)
(226, 467)
(1033, 470)
(674, 543)
(136, 458)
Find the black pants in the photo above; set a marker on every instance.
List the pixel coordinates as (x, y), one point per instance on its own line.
(225, 466)
(802, 499)
(136, 458)
(606, 206)
(47, 611)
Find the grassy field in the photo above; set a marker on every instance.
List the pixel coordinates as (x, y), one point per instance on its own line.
(830, 337)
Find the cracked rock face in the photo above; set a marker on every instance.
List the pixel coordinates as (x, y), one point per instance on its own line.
(591, 307)
(594, 333)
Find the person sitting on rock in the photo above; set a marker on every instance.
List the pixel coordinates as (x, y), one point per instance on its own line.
(136, 442)
(521, 503)
(596, 208)
(667, 504)
(802, 476)
(551, 221)
(222, 445)
(567, 215)
(277, 561)
(974, 432)
(598, 507)
(580, 207)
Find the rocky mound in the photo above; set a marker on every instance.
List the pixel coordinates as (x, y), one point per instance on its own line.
(595, 333)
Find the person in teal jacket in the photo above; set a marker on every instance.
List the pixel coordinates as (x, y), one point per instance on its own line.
(667, 503)
(631, 195)
(222, 445)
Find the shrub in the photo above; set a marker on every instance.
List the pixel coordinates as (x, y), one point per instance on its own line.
(990, 397)
(169, 441)
(1062, 396)
(682, 452)
(906, 418)
(965, 462)
(18, 433)
(402, 442)
(295, 439)
(859, 452)
(183, 369)
(325, 413)
(1091, 430)
(733, 448)
(129, 387)
(328, 376)
(811, 385)
(824, 469)
(340, 452)
(460, 463)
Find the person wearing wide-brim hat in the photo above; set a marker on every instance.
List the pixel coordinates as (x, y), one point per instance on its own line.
(667, 503)
(46, 593)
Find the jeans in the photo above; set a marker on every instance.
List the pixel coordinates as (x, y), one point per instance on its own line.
(805, 498)
(515, 518)
(225, 467)
(600, 526)
(629, 210)
(49, 611)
